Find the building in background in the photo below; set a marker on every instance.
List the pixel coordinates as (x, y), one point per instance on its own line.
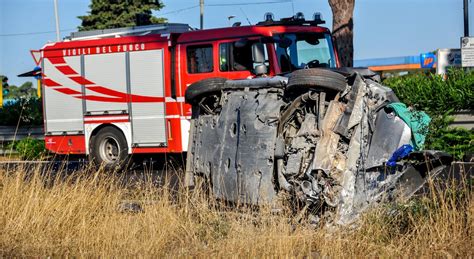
(438, 61)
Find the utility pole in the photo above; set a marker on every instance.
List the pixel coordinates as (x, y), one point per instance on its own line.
(466, 19)
(57, 19)
(201, 7)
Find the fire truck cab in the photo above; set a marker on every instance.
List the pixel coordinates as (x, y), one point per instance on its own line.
(113, 93)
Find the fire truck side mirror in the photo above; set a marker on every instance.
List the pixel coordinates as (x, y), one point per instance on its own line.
(258, 53)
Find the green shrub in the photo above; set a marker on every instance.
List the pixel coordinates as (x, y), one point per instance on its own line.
(456, 141)
(433, 94)
(29, 148)
(22, 111)
(440, 98)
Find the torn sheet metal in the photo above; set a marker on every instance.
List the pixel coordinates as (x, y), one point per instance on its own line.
(390, 133)
(234, 150)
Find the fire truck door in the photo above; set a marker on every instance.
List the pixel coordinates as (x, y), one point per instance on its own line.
(147, 79)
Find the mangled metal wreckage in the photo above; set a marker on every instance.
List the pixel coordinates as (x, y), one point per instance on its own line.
(321, 138)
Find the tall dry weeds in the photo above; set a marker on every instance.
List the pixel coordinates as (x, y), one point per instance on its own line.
(80, 215)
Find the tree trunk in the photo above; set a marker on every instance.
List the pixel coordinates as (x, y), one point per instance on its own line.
(342, 29)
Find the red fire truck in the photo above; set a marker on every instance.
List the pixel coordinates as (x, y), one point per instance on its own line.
(113, 93)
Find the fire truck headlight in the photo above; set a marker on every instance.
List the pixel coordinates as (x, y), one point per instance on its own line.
(269, 17)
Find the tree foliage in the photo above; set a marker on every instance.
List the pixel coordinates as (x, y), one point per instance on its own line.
(22, 112)
(26, 90)
(108, 14)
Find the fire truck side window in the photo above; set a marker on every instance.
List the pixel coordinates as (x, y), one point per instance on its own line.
(199, 59)
(232, 58)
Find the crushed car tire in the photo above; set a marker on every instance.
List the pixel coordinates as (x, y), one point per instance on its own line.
(316, 78)
(202, 88)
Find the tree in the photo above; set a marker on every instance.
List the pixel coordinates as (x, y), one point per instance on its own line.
(26, 90)
(107, 14)
(342, 29)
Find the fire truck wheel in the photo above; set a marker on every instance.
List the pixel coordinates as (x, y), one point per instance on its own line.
(316, 78)
(199, 89)
(109, 148)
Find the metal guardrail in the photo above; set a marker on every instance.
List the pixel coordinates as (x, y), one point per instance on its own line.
(12, 133)
(9, 134)
(463, 119)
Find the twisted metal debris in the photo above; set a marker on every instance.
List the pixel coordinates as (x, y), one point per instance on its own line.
(320, 138)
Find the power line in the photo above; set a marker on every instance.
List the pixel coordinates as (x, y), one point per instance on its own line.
(249, 3)
(179, 10)
(33, 33)
(229, 4)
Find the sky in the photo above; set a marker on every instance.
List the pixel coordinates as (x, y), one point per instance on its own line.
(382, 28)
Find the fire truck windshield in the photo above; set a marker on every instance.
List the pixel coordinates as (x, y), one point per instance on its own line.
(304, 50)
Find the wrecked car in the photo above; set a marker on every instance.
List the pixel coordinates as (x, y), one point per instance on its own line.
(331, 141)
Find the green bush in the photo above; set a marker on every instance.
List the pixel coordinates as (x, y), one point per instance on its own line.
(433, 94)
(29, 148)
(440, 98)
(456, 141)
(22, 111)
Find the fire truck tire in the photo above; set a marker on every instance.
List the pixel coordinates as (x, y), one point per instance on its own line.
(199, 89)
(316, 78)
(109, 148)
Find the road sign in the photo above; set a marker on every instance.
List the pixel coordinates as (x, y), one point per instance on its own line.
(427, 60)
(447, 58)
(36, 54)
(467, 51)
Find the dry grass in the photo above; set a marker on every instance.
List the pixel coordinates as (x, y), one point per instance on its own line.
(9, 158)
(78, 216)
